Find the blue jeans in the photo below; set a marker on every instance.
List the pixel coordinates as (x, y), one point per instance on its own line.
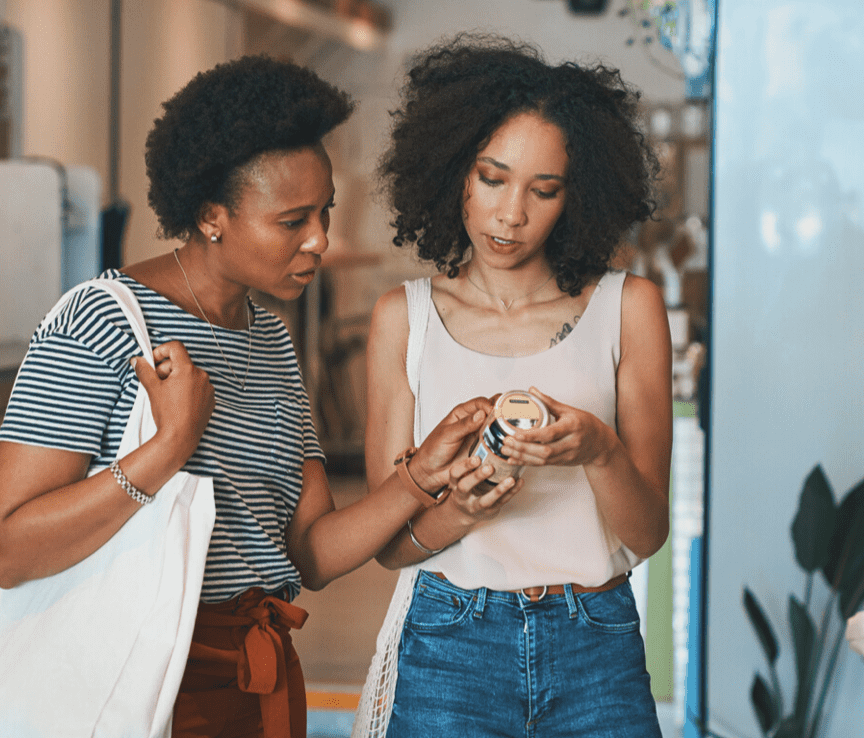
(479, 662)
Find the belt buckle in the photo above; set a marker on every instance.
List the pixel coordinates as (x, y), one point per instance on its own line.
(531, 597)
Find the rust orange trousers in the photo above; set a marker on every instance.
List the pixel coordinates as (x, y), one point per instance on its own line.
(243, 677)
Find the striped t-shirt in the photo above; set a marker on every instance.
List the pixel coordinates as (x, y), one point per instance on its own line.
(75, 391)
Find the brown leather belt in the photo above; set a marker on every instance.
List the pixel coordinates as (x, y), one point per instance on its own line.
(535, 594)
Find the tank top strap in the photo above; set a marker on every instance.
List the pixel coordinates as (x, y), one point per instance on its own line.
(418, 292)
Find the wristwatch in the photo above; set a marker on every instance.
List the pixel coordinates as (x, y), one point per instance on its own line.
(427, 499)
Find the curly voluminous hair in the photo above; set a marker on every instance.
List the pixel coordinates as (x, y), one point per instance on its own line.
(224, 119)
(457, 95)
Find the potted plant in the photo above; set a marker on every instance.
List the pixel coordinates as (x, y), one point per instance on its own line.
(828, 540)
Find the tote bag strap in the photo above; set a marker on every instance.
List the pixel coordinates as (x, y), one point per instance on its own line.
(140, 425)
(124, 297)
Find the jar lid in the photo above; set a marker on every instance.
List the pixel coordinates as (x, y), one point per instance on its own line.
(517, 410)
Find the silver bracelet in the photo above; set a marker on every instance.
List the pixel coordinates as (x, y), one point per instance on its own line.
(420, 546)
(130, 489)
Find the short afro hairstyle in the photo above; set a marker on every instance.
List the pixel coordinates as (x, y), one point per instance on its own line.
(459, 92)
(224, 119)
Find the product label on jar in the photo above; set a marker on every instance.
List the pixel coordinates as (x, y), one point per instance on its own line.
(519, 410)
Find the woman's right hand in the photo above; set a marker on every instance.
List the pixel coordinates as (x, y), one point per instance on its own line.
(52, 515)
(181, 398)
(430, 467)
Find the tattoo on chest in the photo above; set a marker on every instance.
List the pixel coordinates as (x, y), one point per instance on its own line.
(565, 331)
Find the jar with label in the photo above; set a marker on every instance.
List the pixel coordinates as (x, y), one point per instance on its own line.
(513, 411)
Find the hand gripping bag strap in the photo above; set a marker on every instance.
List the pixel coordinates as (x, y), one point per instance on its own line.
(376, 700)
(99, 649)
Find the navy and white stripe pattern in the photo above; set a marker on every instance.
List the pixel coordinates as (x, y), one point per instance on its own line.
(75, 391)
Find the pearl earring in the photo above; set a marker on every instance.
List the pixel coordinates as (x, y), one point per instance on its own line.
(214, 238)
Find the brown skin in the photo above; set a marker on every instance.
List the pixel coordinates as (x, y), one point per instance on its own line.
(515, 191)
(52, 516)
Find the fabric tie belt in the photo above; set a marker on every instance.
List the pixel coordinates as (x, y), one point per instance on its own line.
(535, 594)
(258, 625)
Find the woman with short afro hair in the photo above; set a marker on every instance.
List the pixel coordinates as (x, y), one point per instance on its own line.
(239, 174)
(517, 179)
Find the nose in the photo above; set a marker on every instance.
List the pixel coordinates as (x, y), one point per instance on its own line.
(511, 211)
(317, 242)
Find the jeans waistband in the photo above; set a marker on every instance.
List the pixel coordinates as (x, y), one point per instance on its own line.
(519, 598)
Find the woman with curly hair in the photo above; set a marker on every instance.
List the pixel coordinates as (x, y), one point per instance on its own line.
(238, 173)
(517, 179)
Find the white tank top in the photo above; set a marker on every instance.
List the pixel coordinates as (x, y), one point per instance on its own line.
(551, 532)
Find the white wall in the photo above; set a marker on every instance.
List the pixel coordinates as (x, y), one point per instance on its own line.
(67, 77)
(788, 346)
(165, 44)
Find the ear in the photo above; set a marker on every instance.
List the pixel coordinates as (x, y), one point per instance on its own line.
(211, 221)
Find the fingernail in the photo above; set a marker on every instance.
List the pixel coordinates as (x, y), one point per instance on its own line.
(479, 415)
(133, 361)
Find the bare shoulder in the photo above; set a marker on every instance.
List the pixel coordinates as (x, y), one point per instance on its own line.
(388, 330)
(641, 293)
(643, 313)
(391, 312)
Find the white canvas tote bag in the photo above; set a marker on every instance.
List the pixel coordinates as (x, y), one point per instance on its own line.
(99, 649)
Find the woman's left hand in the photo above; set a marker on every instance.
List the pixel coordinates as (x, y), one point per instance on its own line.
(574, 438)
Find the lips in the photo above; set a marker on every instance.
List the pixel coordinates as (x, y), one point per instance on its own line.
(305, 277)
(501, 244)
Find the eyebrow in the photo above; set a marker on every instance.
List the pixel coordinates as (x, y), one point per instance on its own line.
(306, 208)
(502, 165)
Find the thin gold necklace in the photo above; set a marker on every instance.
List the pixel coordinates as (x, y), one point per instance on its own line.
(204, 315)
(508, 305)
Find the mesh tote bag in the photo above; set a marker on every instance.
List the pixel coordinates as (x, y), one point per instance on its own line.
(376, 699)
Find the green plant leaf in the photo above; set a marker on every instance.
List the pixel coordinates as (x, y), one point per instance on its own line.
(763, 628)
(763, 704)
(814, 522)
(852, 588)
(804, 637)
(791, 727)
(844, 566)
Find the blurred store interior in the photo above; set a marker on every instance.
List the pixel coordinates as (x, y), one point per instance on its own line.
(756, 248)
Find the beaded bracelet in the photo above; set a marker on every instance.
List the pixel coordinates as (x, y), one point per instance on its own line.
(130, 489)
(420, 546)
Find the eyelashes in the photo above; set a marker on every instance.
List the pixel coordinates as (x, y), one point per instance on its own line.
(542, 194)
(490, 182)
(292, 224)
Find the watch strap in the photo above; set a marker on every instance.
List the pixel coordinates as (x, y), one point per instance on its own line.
(427, 499)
